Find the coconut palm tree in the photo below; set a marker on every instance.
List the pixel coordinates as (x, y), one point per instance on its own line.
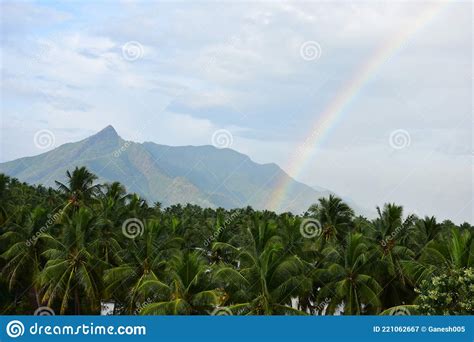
(4, 182)
(70, 276)
(335, 217)
(144, 260)
(188, 260)
(455, 251)
(425, 230)
(391, 235)
(190, 289)
(267, 276)
(112, 214)
(80, 186)
(23, 257)
(349, 283)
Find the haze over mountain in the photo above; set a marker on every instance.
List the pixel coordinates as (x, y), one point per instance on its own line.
(202, 175)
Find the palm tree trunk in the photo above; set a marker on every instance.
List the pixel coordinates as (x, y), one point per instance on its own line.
(37, 297)
(77, 302)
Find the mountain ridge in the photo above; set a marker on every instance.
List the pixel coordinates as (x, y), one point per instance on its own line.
(202, 175)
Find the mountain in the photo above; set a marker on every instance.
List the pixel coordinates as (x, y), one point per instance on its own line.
(202, 175)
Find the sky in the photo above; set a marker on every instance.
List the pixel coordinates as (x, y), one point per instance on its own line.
(264, 73)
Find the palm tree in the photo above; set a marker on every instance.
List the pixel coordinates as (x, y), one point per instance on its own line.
(267, 276)
(309, 252)
(426, 229)
(456, 251)
(348, 279)
(113, 195)
(27, 241)
(4, 182)
(111, 205)
(70, 275)
(190, 289)
(144, 260)
(190, 260)
(334, 215)
(393, 256)
(80, 187)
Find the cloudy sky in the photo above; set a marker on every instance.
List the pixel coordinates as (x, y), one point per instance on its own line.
(175, 72)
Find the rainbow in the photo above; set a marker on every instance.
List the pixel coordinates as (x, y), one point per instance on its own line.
(334, 110)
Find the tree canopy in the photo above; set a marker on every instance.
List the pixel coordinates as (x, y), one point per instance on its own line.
(84, 244)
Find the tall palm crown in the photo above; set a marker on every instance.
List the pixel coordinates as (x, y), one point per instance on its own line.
(69, 278)
(190, 290)
(348, 280)
(334, 215)
(268, 276)
(80, 187)
(141, 265)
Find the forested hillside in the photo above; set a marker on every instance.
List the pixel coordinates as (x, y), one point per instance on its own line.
(81, 245)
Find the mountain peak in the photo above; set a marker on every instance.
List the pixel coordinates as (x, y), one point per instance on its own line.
(107, 132)
(195, 173)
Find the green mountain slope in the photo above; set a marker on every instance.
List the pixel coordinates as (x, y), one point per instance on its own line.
(202, 175)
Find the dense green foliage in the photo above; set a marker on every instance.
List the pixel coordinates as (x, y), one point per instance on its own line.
(448, 294)
(74, 248)
(193, 174)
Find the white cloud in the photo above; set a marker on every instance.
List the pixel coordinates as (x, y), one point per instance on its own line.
(206, 67)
